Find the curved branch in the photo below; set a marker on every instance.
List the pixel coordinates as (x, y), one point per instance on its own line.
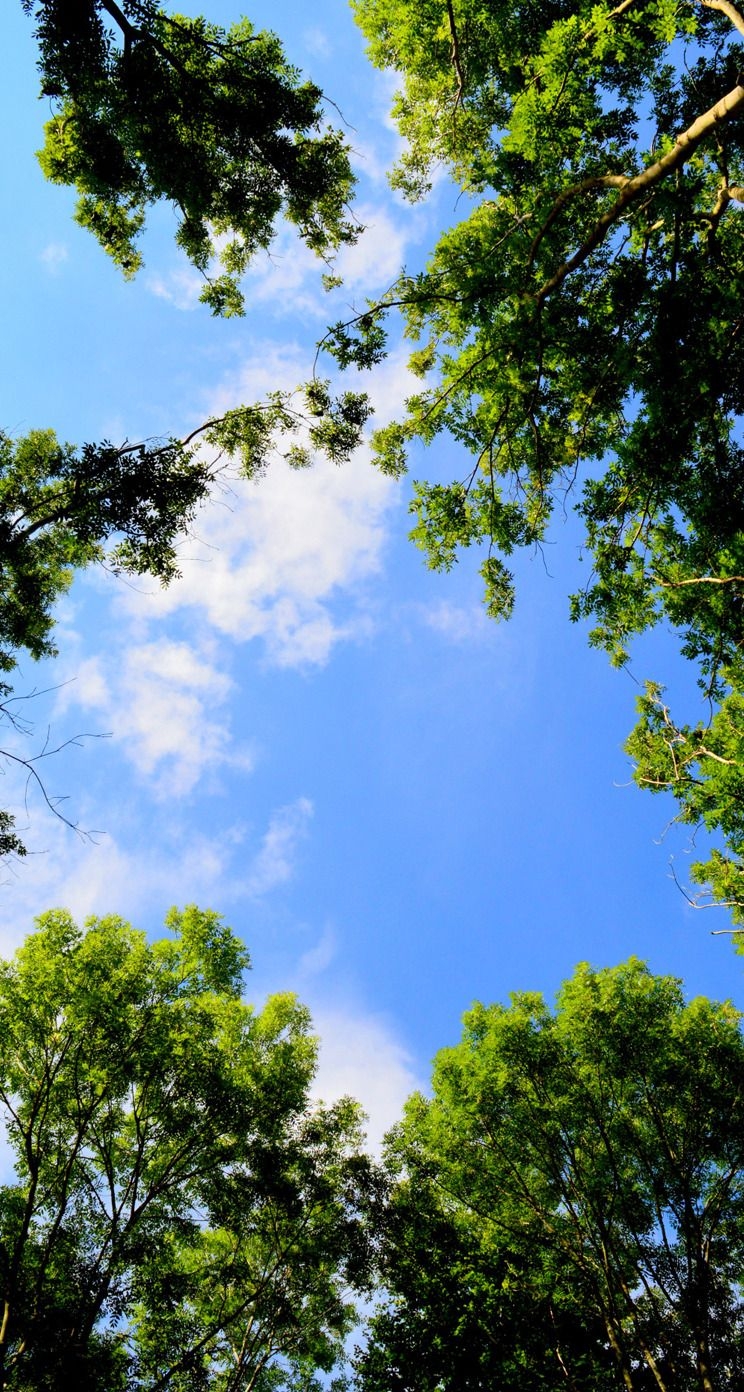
(730, 11)
(597, 181)
(684, 146)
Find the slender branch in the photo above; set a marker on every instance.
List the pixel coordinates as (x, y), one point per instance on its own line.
(597, 181)
(684, 146)
(699, 580)
(455, 55)
(33, 776)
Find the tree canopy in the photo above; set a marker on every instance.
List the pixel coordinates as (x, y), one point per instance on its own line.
(579, 330)
(181, 1216)
(154, 106)
(575, 1182)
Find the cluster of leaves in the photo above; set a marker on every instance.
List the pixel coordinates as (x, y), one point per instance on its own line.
(152, 106)
(703, 767)
(59, 506)
(579, 331)
(181, 1216)
(576, 1184)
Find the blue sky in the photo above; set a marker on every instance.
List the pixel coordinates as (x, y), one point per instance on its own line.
(401, 806)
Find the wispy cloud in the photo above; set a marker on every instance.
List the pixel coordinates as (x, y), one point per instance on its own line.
(162, 702)
(458, 623)
(54, 256)
(317, 42)
(317, 959)
(375, 260)
(139, 879)
(139, 871)
(180, 286)
(274, 862)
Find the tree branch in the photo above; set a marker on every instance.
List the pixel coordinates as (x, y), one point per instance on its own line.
(698, 580)
(683, 148)
(724, 7)
(598, 181)
(455, 55)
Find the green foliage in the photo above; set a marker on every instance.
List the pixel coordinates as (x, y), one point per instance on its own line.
(567, 1207)
(180, 1216)
(703, 767)
(58, 508)
(586, 309)
(152, 106)
(581, 327)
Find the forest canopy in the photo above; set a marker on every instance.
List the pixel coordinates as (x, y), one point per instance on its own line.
(181, 1215)
(575, 1183)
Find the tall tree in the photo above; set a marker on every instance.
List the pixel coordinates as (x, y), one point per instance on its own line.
(567, 1210)
(154, 106)
(181, 1217)
(580, 329)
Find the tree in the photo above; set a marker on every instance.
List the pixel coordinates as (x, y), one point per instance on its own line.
(579, 331)
(567, 1207)
(181, 1217)
(153, 106)
(60, 506)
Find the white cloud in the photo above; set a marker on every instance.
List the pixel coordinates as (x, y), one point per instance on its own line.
(286, 558)
(159, 702)
(272, 566)
(165, 861)
(181, 286)
(458, 623)
(89, 687)
(53, 257)
(275, 861)
(317, 42)
(287, 279)
(360, 1057)
(318, 958)
(369, 160)
(377, 257)
(104, 875)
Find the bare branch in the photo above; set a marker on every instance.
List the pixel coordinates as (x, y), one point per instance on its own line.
(699, 580)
